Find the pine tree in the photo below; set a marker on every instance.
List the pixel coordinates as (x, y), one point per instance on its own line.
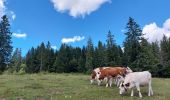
(41, 56)
(89, 56)
(82, 61)
(61, 61)
(131, 43)
(145, 59)
(165, 56)
(30, 58)
(164, 50)
(50, 57)
(100, 55)
(5, 43)
(119, 56)
(16, 60)
(111, 50)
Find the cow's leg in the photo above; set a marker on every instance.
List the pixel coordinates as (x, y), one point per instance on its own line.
(91, 81)
(110, 82)
(132, 92)
(138, 89)
(116, 80)
(118, 83)
(99, 82)
(150, 89)
(107, 81)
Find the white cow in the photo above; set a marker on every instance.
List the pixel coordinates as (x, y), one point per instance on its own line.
(118, 80)
(136, 79)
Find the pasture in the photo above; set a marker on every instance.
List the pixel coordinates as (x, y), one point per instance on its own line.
(70, 87)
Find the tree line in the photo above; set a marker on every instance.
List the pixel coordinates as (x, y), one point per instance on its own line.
(136, 53)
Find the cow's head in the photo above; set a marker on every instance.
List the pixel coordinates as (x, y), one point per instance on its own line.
(123, 87)
(128, 70)
(93, 76)
(98, 75)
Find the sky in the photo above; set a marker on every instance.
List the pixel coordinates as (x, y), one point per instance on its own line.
(74, 21)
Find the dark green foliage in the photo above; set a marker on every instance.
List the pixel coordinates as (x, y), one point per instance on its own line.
(131, 43)
(165, 56)
(89, 56)
(5, 43)
(145, 59)
(16, 60)
(113, 52)
(137, 53)
(100, 55)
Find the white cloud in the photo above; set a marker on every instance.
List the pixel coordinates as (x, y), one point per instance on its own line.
(78, 8)
(54, 47)
(4, 10)
(123, 30)
(12, 14)
(153, 32)
(20, 35)
(74, 39)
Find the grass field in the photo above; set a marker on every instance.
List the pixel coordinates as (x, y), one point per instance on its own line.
(70, 87)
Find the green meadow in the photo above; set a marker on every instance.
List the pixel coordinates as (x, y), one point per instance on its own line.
(71, 87)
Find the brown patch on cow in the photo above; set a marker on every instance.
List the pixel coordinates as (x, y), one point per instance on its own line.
(93, 75)
(112, 71)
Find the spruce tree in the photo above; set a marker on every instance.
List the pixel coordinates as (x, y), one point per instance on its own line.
(16, 60)
(132, 42)
(5, 43)
(89, 56)
(145, 59)
(111, 50)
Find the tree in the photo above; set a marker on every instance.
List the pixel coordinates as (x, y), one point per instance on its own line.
(89, 56)
(164, 50)
(165, 56)
(42, 56)
(145, 59)
(111, 51)
(50, 58)
(82, 60)
(100, 55)
(16, 60)
(132, 42)
(62, 60)
(5, 43)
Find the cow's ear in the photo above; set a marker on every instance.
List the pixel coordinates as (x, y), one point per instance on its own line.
(122, 85)
(127, 85)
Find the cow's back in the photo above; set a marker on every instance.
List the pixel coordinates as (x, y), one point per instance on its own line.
(138, 77)
(110, 71)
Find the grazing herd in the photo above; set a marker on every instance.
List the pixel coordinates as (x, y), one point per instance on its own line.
(124, 78)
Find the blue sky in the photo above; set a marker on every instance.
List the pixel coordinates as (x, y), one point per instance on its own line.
(36, 21)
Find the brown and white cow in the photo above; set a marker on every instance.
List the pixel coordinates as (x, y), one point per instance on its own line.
(94, 73)
(110, 73)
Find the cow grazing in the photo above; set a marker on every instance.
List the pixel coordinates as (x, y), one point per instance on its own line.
(110, 73)
(118, 80)
(94, 73)
(136, 79)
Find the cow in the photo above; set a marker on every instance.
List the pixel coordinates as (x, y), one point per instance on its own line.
(136, 79)
(110, 73)
(94, 73)
(119, 79)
